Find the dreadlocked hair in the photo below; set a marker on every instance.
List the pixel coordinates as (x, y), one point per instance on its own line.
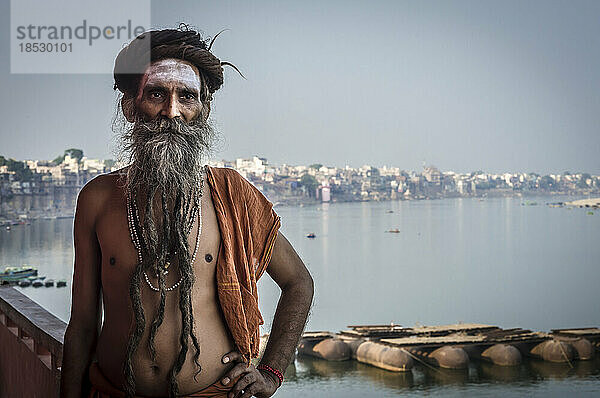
(174, 226)
(183, 43)
(158, 320)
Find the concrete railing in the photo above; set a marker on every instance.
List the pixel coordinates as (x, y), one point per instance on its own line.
(31, 346)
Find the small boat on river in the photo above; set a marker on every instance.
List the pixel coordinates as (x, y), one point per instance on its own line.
(15, 274)
(24, 283)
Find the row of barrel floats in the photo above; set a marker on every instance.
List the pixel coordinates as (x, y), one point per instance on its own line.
(396, 348)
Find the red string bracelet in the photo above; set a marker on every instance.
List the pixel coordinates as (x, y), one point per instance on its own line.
(271, 370)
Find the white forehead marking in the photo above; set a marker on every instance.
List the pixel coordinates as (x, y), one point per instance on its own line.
(171, 69)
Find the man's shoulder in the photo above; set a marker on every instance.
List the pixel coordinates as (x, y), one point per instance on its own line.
(101, 187)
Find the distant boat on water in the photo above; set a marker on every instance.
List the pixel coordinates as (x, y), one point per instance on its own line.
(15, 274)
(311, 235)
(393, 231)
(529, 203)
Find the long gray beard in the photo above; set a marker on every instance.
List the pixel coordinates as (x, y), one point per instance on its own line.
(166, 154)
(165, 164)
(166, 157)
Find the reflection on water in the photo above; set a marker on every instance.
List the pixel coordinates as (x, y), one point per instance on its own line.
(542, 370)
(350, 378)
(48, 246)
(503, 374)
(492, 261)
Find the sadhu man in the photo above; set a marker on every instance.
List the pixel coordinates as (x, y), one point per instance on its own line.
(172, 249)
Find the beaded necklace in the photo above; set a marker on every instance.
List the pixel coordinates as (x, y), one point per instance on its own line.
(133, 219)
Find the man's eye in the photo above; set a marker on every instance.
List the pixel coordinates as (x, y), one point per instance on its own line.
(188, 96)
(155, 94)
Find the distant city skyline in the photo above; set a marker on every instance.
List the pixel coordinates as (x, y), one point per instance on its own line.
(57, 183)
(462, 85)
(423, 166)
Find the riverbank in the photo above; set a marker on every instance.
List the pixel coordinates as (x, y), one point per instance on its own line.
(593, 203)
(26, 219)
(303, 201)
(491, 194)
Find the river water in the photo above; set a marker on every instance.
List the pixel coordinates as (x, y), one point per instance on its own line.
(498, 261)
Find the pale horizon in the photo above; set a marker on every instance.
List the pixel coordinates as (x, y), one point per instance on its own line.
(463, 85)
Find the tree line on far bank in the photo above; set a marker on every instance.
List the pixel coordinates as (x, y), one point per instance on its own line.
(24, 173)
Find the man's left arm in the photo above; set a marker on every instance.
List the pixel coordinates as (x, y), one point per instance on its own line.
(289, 272)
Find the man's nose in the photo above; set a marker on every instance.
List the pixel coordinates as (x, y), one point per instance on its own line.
(171, 108)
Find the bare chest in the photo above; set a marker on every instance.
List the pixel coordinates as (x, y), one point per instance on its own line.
(120, 257)
(119, 261)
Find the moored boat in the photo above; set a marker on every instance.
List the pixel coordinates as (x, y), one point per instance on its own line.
(24, 283)
(14, 274)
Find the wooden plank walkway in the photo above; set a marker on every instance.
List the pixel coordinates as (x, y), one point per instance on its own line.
(317, 335)
(397, 331)
(436, 340)
(590, 333)
(454, 334)
(443, 330)
(376, 331)
(496, 337)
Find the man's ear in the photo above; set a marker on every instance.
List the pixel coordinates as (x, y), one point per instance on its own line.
(128, 107)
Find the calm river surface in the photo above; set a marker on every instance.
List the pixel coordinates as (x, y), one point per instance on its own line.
(494, 261)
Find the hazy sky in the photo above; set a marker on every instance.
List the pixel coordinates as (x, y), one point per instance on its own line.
(463, 85)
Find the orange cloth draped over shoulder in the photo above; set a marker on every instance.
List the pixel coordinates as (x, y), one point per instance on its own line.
(248, 226)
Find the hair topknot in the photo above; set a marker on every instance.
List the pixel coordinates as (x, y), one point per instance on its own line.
(183, 43)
